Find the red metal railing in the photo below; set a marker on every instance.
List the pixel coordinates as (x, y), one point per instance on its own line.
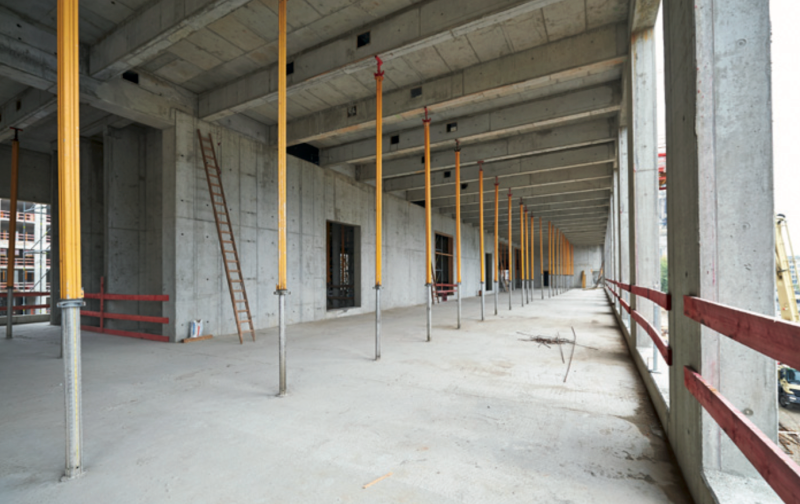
(772, 337)
(443, 289)
(103, 296)
(661, 299)
(24, 308)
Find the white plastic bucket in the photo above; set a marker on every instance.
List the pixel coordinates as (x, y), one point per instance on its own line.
(195, 328)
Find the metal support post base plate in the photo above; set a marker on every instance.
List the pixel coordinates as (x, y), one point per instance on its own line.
(281, 293)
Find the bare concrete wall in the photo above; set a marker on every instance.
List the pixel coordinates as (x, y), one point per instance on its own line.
(35, 180)
(720, 234)
(587, 259)
(132, 242)
(193, 269)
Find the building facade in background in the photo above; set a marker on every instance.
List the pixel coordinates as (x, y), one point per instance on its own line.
(31, 251)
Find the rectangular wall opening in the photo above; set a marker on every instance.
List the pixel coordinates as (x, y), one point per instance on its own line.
(489, 269)
(343, 262)
(444, 259)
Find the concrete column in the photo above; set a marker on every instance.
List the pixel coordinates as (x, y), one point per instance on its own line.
(613, 213)
(643, 173)
(720, 206)
(623, 218)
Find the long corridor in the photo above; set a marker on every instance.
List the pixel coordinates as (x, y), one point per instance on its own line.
(478, 415)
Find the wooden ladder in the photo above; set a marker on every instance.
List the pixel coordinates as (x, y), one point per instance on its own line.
(230, 255)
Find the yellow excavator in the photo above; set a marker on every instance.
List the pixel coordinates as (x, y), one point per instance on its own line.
(786, 295)
(788, 378)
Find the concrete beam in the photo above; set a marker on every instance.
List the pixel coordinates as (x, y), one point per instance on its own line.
(558, 201)
(409, 30)
(25, 110)
(597, 227)
(643, 14)
(25, 63)
(589, 171)
(583, 134)
(561, 160)
(579, 57)
(565, 221)
(533, 203)
(150, 102)
(535, 192)
(586, 213)
(474, 213)
(550, 112)
(151, 30)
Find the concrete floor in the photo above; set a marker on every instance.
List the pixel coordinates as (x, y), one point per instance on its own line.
(476, 415)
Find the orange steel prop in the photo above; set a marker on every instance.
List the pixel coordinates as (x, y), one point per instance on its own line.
(428, 265)
(483, 253)
(510, 249)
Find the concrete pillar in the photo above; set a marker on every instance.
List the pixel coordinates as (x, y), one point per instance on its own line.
(623, 218)
(613, 213)
(720, 206)
(643, 176)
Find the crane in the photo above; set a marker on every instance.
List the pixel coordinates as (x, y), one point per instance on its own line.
(786, 295)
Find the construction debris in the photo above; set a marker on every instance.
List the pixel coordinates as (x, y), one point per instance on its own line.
(788, 439)
(377, 480)
(198, 338)
(575, 339)
(547, 341)
(544, 340)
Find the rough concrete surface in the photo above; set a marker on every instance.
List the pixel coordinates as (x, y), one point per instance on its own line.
(476, 415)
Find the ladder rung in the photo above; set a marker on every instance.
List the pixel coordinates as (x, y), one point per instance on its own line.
(216, 193)
(240, 300)
(238, 291)
(236, 281)
(213, 175)
(241, 311)
(234, 271)
(227, 241)
(215, 185)
(231, 260)
(226, 232)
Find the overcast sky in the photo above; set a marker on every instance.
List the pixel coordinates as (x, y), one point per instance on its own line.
(786, 111)
(785, 15)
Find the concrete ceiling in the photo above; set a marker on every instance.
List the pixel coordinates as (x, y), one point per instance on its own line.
(531, 87)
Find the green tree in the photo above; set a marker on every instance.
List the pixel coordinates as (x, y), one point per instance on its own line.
(664, 275)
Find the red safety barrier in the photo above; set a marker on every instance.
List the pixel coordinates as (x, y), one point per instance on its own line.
(660, 298)
(779, 471)
(773, 337)
(102, 314)
(663, 300)
(26, 307)
(663, 348)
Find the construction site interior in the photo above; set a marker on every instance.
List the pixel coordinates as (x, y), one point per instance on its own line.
(393, 251)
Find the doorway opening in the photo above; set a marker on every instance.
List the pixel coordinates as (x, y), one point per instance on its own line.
(343, 288)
